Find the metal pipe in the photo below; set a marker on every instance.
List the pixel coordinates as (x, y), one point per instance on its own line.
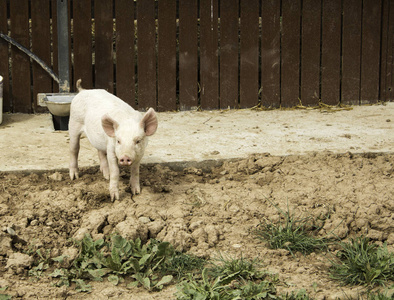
(63, 47)
(30, 54)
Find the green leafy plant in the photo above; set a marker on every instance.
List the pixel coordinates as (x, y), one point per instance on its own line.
(115, 260)
(293, 234)
(205, 289)
(43, 263)
(363, 263)
(4, 296)
(228, 279)
(296, 295)
(121, 257)
(250, 290)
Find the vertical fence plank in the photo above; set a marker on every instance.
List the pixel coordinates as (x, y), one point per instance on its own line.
(249, 68)
(310, 52)
(228, 54)
(166, 65)
(4, 67)
(146, 32)
(41, 45)
(351, 50)
(270, 53)
(55, 65)
(384, 48)
(331, 52)
(209, 69)
(125, 72)
(82, 42)
(370, 52)
(188, 52)
(21, 96)
(389, 76)
(290, 75)
(103, 45)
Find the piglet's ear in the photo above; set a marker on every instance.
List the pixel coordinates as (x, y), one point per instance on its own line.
(149, 122)
(109, 125)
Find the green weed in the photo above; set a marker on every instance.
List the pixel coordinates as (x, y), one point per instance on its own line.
(230, 279)
(238, 268)
(293, 234)
(182, 264)
(296, 295)
(4, 296)
(363, 263)
(43, 263)
(380, 295)
(116, 259)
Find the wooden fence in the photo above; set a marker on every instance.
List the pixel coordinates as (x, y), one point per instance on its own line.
(212, 54)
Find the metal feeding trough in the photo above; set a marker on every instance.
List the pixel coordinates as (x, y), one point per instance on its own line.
(57, 103)
(59, 106)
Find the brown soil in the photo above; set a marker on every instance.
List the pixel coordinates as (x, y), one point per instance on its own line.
(199, 209)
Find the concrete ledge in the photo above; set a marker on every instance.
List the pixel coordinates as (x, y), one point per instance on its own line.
(29, 142)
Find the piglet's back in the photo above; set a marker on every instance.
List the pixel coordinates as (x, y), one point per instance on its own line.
(97, 102)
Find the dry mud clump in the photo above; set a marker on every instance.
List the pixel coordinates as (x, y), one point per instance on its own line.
(199, 209)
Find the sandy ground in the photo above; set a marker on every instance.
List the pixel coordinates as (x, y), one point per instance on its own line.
(336, 167)
(28, 142)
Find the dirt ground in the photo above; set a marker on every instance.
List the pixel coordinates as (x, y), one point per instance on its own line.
(204, 190)
(201, 209)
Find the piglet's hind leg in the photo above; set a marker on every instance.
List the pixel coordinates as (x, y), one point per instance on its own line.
(75, 134)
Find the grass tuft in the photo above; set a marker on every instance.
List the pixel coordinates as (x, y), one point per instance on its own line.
(239, 268)
(293, 234)
(182, 264)
(363, 263)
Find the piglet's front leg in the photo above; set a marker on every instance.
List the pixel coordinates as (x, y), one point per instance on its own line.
(113, 176)
(135, 178)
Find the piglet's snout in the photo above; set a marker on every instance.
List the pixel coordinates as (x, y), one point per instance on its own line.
(125, 160)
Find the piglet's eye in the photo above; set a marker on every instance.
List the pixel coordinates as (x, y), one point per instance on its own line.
(118, 141)
(138, 141)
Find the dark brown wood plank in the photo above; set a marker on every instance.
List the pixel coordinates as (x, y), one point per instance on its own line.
(310, 52)
(290, 75)
(55, 65)
(125, 71)
(389, 76)
(41, 46)
(270, 53)
(4, 71)
(188, 60)
(146, 32)
(21, 94)
(82, 42)
(383, 57)
(229, 54)
(166, 83)
(370, 52)
(209, 69)
(331, 52)
(249, 64)
(103, 45)
(351, 51)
